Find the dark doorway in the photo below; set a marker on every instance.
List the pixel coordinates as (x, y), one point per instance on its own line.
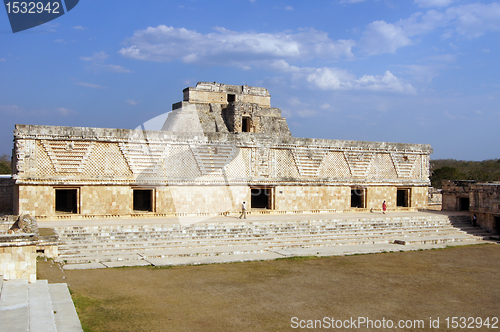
(403, 198)
(245, 124)
(66, 200)
(463, 204)
(143, 199)
(231, 98)
(497, 224)
(261, 198)
(357, 198)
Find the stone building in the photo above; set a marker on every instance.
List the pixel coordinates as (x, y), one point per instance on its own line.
(223, 144)
(482, 199)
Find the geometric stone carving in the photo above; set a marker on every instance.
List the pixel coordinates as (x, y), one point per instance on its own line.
(212, 158)
(308, 160)
(404, 163)
(68, 156)
(359, 162)
(144, 158)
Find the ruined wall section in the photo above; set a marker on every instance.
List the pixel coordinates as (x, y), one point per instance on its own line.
(76, 156)
(212, 92)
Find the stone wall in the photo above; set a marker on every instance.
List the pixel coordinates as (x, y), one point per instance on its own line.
(17, 251)
(201, 173)
(18, 262)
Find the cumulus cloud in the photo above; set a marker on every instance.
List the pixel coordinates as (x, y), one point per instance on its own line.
(382, 37)
(331, 78)
(474, 20)
(226, 47)
(97, 63)
(471, 21)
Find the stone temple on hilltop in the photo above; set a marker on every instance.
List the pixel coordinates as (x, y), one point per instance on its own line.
(221, 145)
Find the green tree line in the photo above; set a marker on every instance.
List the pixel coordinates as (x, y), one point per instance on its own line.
(451, 169)
(5, 164)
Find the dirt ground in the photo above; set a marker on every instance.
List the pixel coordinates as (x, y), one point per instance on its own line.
(285, 295)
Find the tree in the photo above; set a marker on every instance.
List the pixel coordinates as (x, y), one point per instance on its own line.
(445, 173)
(5, 165)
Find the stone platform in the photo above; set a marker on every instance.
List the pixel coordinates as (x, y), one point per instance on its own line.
(172, 241)
(36, 307)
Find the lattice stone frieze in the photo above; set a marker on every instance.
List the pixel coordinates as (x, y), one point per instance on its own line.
(309, 160)
(404, 163)
(144, 158)
(68, 156)
(213, 158)
(359, 162)
(263, 161)
(335, 166)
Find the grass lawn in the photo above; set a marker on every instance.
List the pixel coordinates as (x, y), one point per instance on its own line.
(282, 294)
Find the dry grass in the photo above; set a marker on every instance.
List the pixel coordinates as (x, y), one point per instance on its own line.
(264, 296)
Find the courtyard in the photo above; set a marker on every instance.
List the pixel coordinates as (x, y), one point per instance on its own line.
(413, 288)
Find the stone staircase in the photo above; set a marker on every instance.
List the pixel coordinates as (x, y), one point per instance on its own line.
(131, 245)
(36, 307)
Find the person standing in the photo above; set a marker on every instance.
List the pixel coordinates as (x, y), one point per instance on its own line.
(384, 207)
(474, 220)
(243, 210)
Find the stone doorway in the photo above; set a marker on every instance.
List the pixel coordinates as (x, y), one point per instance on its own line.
(246, 124)
(261, 198)
(497, 224)
(66, 200)
(403, 197)
(463, 203)
(358, 198)
(143, 200)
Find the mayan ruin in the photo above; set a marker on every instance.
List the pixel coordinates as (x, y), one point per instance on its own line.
(223, 144)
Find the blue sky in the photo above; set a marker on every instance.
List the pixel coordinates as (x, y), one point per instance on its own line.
(417, 71)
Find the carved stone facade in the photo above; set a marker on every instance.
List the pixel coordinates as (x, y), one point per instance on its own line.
(482, 199)
(222, 145)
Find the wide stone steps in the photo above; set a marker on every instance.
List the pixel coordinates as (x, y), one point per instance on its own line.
(101, 244)
(36, 307)
(91, 233)
(144, 242)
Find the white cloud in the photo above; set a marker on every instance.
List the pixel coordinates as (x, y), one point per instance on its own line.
(330, 78)
(79, 27)
(288, 8)
(471, 21)
(91, 85)
(474, 20)
(382, 37)
(2, 59)
(132, 102)
(226, 47)
(387, 82)
(97, 63)
(433, 3)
